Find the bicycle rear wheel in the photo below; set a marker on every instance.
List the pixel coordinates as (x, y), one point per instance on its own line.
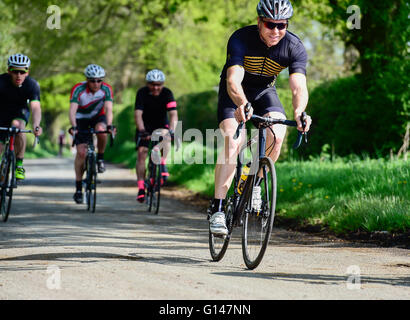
(259, 214)
(7, 172)
(218, 244)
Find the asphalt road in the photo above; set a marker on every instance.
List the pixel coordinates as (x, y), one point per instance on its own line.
(52, 248)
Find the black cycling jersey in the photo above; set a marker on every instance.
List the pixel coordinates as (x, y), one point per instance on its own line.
(155, 108)
(262, 64)
(14, 98)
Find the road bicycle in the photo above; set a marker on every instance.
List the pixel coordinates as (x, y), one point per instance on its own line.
(154, 180)
(251, 203)
(8, 180)
(90, 166)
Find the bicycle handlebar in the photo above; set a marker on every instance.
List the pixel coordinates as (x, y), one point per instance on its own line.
(92, 131)
(175, 139)
(14, 130)
(268, 121)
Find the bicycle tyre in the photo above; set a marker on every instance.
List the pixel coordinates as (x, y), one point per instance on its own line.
(8, 167)
(219, 244)
(157, 188)
(91, 183)
(150, 184)
(154, 186)
(93, 195)
(257, 226)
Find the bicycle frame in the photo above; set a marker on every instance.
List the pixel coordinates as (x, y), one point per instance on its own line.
(239, 201)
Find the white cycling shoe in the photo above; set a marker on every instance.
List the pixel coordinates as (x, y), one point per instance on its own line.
(217, 224)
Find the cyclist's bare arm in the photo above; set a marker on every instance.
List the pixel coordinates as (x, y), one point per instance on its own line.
(72, 113)
(36, 116)
(173, 119)
(108, 112)
(234, 78)
(138, 120)
(300, 97)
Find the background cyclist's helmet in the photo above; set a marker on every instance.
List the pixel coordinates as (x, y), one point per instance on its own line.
(94, 71)
(18, 60)
(275, 9)
(155, 75)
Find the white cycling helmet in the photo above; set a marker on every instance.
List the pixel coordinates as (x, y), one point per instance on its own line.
(275, 9)
(94, 71)
(18, 60)
(155, 75)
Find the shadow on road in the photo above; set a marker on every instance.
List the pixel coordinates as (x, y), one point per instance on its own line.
(318, 278)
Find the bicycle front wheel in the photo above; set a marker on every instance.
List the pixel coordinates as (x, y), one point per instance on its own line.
(259, 214)
(155, 188)
(91, 188)
(7, 172)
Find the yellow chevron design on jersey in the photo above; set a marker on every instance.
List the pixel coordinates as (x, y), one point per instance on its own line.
(262, 66)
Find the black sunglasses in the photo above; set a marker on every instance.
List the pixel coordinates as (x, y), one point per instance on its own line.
(273, 25)
(19, 71)
(95, 80)
(155, 84)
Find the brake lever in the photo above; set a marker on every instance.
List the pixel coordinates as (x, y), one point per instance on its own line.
(242, 123)
(301, 135)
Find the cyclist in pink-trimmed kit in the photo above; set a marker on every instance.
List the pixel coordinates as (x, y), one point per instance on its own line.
(153, 104)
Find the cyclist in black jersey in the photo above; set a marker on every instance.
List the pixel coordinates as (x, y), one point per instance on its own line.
(255, 56)
(153, 104)
(19, 93)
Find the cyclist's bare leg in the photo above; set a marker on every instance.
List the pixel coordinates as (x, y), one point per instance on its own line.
(79, 161)
(21, 139)
(140, 165)
(226, 163)
(101, 138)
(280, 132)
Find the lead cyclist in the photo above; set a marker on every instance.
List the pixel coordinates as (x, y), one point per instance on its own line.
(256, 54)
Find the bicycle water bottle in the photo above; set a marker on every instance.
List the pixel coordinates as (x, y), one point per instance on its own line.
(156, 155)
(244, 176)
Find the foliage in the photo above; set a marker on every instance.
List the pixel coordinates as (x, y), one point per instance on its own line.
(374, 105)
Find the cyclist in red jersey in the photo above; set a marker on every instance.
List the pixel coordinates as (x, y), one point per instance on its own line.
(91, 104)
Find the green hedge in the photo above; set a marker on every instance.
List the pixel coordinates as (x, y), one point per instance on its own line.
(355, 117)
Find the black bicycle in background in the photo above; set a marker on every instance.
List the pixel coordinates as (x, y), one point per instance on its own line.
(90, 166)
(154, 180)
(8, 168)
(251, 203)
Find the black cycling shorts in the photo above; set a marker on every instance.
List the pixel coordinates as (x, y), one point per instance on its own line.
(7, 119)
(263, 100)
(84, 124)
